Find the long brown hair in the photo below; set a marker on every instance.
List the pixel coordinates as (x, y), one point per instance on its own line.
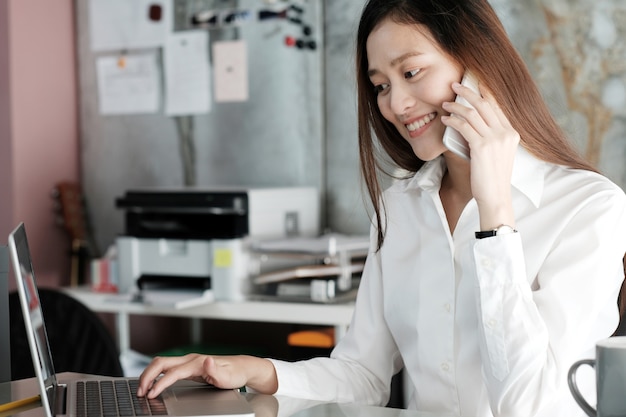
(472, 34)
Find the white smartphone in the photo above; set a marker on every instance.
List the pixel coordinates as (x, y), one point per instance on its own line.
(452, 139)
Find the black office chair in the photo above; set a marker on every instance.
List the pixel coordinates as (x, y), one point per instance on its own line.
(78, 339)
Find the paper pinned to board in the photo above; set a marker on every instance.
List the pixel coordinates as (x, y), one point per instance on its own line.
(131, 87)
(230, 69)
(187, 72)
(124, 24)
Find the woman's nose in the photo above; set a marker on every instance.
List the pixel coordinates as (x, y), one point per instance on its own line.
(401, 100)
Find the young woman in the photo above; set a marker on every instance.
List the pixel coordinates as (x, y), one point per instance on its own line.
(487, 277)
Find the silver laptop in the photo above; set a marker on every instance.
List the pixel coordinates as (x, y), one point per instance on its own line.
(83, 397)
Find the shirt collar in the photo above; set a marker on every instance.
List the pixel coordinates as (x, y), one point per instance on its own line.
(527, 177)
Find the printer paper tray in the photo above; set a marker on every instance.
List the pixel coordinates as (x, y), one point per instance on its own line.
(176, 298)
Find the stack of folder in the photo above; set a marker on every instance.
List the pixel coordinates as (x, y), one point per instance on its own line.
(324, 269)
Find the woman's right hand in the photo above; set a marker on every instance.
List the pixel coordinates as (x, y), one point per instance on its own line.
(493, 143)
(226, 372)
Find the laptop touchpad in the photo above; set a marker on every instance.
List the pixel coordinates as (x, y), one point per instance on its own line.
(203, 393)
(187, 400)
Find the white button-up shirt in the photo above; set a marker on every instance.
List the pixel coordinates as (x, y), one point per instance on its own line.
(482, 327)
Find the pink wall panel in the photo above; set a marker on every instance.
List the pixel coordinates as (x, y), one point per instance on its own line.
(43, 120)
(6, 149)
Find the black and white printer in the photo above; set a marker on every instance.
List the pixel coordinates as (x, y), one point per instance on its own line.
(199, 238)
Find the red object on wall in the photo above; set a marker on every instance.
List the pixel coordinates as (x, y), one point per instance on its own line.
(290, 40)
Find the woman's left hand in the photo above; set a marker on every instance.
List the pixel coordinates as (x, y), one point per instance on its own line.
(493, 143)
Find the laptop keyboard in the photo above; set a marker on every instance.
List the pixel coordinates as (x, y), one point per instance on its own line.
(111, 398)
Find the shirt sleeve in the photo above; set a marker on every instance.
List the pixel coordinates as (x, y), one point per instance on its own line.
(533, 328)
(363, 362)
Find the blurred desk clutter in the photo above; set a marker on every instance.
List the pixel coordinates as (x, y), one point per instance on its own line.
(324, 269)
(224, 253)
(183, 247)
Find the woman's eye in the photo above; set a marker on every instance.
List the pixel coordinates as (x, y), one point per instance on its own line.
(379, 88)
(411, 74)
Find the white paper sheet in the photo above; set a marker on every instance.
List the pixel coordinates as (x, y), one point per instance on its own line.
(126, 24)
(187, 73)
(230, 68)
(129, 88)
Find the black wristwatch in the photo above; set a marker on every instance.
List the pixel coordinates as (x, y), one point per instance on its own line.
(503, 229)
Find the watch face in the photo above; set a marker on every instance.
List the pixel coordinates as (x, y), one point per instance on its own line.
(504, 230)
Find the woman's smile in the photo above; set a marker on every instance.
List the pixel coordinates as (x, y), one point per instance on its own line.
(418, 126)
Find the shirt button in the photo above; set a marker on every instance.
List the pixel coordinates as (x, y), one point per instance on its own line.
(447, 307)
(492, 323)
(445, 366)
(486, 262)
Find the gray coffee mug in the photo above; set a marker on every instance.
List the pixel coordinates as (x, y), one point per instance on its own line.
(610, 366)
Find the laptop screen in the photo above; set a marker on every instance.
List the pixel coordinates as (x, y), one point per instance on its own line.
(33, 316)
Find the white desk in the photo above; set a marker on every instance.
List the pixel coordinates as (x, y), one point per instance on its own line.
(337, 315)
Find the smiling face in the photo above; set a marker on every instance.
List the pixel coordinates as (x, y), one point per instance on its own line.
(412, 77)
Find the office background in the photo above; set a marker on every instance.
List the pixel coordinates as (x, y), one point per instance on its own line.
(50, 129)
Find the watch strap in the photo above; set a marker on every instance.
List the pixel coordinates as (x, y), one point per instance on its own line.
(485, 233)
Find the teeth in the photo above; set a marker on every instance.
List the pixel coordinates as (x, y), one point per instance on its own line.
(421, 122)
